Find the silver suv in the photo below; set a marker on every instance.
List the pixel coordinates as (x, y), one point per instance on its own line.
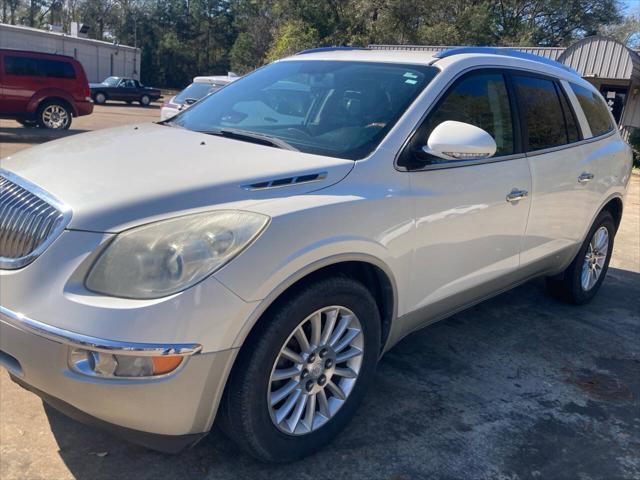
(250, 259)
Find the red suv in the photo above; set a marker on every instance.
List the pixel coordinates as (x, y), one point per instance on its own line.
(42, 89)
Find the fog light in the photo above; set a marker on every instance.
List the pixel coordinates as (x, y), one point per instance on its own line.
(101, 364)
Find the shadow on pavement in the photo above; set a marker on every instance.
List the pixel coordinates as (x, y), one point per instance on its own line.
(520, 386)
(34, 135)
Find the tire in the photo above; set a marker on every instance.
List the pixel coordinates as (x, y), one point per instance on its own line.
(54, 115)
(100, 98)
(575, 285)
(248, 409)
(28, 123)
(145, 101)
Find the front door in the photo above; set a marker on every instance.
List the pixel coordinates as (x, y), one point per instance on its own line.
(468, 232)
(127, 90)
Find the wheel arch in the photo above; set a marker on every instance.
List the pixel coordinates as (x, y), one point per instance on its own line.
(375, 275)
(370, 271)
(41, 99)
(615, 207)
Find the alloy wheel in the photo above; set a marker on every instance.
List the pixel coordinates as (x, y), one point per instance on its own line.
(595, 258)
(315, 370)
(55, 116)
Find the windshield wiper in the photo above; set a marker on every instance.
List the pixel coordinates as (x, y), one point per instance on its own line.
(260, 138)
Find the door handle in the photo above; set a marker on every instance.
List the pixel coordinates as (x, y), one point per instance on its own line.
(517, 195)
(585, 177)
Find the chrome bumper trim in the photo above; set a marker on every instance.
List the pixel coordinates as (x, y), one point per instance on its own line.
(73, 339)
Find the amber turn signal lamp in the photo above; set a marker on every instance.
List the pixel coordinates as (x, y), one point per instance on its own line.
(165, 364)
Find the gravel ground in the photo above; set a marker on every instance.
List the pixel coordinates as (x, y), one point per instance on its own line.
(518, 387)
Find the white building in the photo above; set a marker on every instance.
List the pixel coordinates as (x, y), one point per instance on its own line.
(99, 59)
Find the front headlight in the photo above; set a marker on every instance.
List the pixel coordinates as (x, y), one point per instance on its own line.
(169, 256)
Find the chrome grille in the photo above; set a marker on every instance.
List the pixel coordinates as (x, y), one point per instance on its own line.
(30, 219)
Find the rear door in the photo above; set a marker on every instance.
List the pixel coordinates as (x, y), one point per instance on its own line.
(604, 157)
(58, 74)
(550, 130)
(468, 233)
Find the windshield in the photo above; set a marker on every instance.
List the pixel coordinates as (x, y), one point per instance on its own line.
(196, 91)
(336, 108)
(111, 81)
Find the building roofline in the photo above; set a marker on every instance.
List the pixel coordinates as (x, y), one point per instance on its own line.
(65, 36)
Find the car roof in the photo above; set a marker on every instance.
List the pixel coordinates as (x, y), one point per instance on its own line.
(365, 55)
(215, 79)
(463, 58)
(36, 54)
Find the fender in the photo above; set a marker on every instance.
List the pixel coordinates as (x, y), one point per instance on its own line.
(307, 270)
(281, 288)
(46, 93)
(611, 196)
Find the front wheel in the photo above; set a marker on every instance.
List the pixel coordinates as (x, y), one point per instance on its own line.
(100, 98)
(579, 283)
(306, 368)
(145, 100)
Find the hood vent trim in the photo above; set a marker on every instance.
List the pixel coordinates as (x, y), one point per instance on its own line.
(286, 181)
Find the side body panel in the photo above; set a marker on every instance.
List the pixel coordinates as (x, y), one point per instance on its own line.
(467, 234)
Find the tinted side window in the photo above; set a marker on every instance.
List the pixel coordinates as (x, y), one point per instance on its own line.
(541, 111)
(480, 99)
(56, 69)
(595, 110)
(21, 66)
(570, 119)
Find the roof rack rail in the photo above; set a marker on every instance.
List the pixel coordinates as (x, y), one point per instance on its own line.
(328, 49)
(507, 52)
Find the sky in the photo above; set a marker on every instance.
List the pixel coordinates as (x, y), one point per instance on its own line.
(631, 6)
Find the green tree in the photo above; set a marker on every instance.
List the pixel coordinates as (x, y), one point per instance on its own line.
(293, 37)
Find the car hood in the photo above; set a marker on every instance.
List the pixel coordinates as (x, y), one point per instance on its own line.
(96, 85)
(117, 178)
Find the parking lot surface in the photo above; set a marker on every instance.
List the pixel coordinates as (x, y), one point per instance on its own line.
(518, 387)
(14, 137)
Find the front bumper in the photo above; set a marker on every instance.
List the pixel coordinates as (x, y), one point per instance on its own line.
(163, 413)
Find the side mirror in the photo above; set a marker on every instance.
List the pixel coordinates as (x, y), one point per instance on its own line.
(459, 141)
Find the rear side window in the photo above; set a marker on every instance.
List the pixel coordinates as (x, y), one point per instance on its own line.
(480, 99)
(38, 67)
(542, 112)
(21, 66)
(56, 69)
(594, 109)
